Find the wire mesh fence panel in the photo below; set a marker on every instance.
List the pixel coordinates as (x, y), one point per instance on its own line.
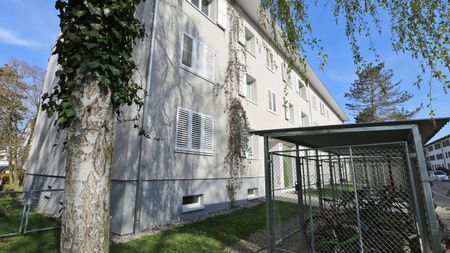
(346, 199)
(285, 202)
(44, 210)
(11, 211)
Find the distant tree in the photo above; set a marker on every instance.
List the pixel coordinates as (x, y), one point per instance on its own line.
(375, 97)
(20, 89)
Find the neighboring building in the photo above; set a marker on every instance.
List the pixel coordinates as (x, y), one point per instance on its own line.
(183, 176)
(437, 153)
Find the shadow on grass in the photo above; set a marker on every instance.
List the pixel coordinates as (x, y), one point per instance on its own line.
(209, 235)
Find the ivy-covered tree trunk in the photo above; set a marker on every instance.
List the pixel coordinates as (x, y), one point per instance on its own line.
(85, 225)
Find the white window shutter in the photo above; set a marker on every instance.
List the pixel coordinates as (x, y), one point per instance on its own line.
(296, 83)
(284, 71)
(241, 32)
(210, 67)
(196, 131)
(286, 112)
(242, 82)
(187, 51)
(208, 139)
(222, 14)
(182, 135)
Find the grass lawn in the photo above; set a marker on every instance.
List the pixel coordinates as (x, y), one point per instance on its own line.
(332, 191)
(208, 235)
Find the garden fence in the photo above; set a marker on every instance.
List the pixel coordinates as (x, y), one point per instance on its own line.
(23, 212)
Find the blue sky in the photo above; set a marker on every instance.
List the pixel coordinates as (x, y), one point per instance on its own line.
(28, 30)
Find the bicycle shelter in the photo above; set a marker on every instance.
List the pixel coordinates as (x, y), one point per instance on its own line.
(350, 188)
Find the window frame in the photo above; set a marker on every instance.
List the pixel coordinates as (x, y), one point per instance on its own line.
(195, 60)
(195, 206)
(199, 9)
(252, 88)
(253, 38)
(272, 98)
(190, 149)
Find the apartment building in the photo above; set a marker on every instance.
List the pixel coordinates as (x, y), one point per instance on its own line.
(437, 153)
(180, 174)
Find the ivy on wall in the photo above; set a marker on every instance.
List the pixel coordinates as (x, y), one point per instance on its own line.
(95, 44)
(238, 126)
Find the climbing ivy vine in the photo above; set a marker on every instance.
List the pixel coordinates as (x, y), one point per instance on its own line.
(95, 44)
(238, 126)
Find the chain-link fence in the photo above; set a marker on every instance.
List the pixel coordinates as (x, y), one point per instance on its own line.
(346, 199)
(29, 211)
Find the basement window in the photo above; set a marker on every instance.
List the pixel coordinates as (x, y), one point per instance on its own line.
(252, 193)
(192, 203)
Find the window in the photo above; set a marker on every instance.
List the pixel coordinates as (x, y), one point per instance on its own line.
(195, 132)
(250, 42)
(315, 102)
(222, 16)
(269, 59)
(207, 7)
(252, 193)
(446, 143)
(439, 156)
(289, 112)
(284, 71)
(437, 146)
(272, 101)
(305, 119)
(301, 88)
(197, 57)
(430, 148)
(192, 203)
(322, 108)
(251, 89)
(432, 158)
(252, 146)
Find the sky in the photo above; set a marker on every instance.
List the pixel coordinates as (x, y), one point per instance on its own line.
(28, 31)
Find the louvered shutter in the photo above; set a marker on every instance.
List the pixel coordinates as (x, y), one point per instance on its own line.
(222, 16)
(196, 131)
(284, 71)
(208, 133)
(242, 82)
(186, 55)
(241, 32)
(182, 138)
(274, 102)
(210, 66)
(296, 83)
(287, 112)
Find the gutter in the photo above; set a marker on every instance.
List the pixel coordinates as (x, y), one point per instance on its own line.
(137, 204)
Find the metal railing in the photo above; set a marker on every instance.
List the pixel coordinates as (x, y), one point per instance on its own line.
(23, 212)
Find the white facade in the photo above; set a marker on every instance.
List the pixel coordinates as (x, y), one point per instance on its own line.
(182, 174)
(437, 153)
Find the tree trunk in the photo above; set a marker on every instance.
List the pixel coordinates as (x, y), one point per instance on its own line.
(85, 220)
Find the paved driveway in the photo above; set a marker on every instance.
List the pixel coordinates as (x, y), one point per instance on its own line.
(440, 191)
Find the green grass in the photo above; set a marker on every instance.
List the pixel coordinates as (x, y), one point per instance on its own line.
(208, 235)
(332, 191)
(10, 219)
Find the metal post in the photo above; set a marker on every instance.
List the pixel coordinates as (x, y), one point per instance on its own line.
(414, 193)
(269, 200)
(311, 218)
(299, 188)
(355, 190)
(318, 181)
(429, 205)
(22, 227)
